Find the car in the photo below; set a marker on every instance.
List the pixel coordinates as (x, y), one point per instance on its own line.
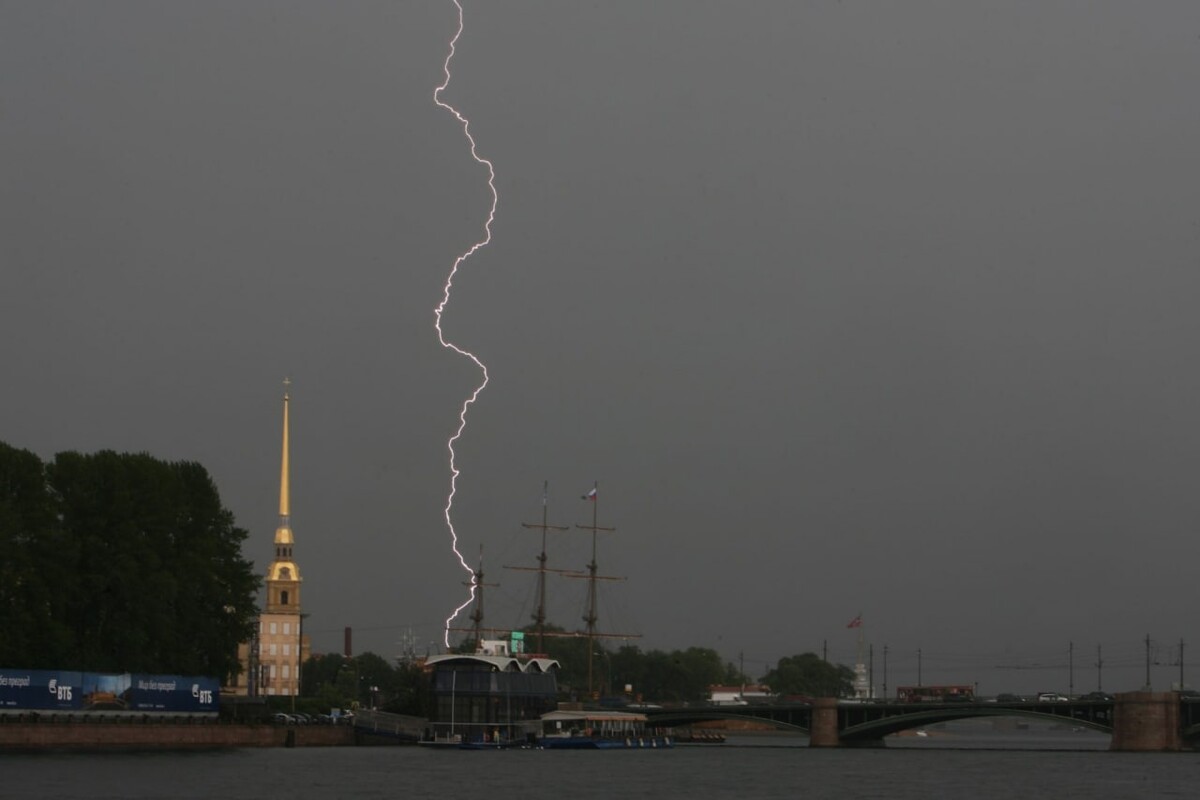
(283, 719)
(1009, 698)
(1052, 697)
(1097, 697)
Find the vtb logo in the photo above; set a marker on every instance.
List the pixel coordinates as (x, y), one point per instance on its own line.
(61, 692)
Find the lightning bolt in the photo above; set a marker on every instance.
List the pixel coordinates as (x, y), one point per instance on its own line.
(437, 313)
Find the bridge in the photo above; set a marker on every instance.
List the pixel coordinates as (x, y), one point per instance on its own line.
(1137, 721)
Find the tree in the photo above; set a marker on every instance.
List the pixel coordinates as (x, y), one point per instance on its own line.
(33, 567)
(413, 692)
(810, 675)
(124, 563)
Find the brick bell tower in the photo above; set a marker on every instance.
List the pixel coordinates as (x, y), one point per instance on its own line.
(271, 661)
(282, 645)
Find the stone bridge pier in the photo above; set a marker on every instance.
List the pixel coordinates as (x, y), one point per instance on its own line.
(1147, 722)
(824, 731)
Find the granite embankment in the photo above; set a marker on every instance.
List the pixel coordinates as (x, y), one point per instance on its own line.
(132, 734)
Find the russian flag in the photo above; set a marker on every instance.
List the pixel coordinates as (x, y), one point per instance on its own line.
(590, 495)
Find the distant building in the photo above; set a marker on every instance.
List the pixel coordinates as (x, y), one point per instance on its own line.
(271, 659)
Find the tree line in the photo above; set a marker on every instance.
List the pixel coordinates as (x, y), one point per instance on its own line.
(620, 675)
(117, 562)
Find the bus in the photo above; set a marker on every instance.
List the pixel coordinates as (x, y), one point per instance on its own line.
(962, 693)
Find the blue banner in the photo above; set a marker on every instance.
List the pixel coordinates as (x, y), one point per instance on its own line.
(41, 690)
(61, 690)
(173, 693)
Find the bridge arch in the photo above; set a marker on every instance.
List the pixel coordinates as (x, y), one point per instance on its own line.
(796, 720)
(878, 727)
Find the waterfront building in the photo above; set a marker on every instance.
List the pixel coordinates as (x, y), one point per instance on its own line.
(493, 695)
(271, 659)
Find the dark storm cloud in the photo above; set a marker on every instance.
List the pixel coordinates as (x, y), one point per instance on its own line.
(848, 306)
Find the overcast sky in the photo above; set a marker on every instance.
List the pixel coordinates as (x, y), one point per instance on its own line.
(850, 307)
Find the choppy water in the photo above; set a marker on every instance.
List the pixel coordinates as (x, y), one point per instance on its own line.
(948, 764)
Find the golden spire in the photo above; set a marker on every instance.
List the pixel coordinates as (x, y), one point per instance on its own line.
(283, 576)
(283, 470)
(283, 534)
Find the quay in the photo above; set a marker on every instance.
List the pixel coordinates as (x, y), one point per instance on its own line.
(112, 731)
(93, 732)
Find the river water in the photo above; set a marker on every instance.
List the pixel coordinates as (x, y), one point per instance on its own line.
(972, 763)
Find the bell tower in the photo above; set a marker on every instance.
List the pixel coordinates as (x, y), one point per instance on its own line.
(271, 661)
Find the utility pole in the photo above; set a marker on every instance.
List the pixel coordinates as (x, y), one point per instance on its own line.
(1182, 686)
(825, 659)
(919, 682)
(1147, 662)
(1099, 668)
(885, 652)
(1071, 669)
(871, 671)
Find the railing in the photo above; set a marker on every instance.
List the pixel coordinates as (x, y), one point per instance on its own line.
(382, 723)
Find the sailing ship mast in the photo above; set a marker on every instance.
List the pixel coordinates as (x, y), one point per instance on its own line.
(592, 617)
(476, 616)
(539, 616)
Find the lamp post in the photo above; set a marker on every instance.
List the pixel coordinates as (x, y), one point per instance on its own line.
(253, 664)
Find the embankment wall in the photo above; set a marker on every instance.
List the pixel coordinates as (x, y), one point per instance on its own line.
(166, 736)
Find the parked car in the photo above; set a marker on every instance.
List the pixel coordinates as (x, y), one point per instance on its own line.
(1097, 697)
(1052, 697)
(1009, 698)
(283, 719)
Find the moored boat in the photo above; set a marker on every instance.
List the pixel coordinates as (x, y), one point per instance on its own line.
(568, 729)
